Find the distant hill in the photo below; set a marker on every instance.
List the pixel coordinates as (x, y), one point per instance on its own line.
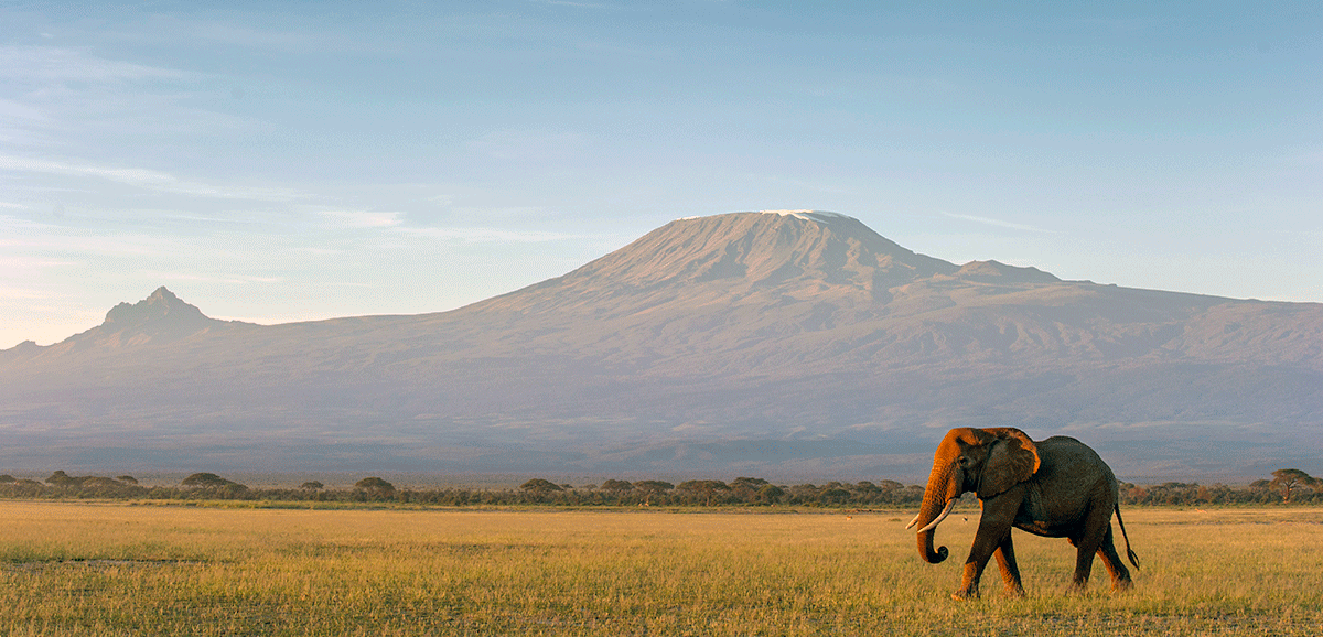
(784, 343)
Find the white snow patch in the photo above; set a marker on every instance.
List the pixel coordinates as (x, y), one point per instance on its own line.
(807, 214)
(810, 215)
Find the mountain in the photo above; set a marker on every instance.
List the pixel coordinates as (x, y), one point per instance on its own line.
(783, 343)
(160, 318)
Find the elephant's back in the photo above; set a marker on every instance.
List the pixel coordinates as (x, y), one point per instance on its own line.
(1069, 466)
(1063, 453)
(1064, 449)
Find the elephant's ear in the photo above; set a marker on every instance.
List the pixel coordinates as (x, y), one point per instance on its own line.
(1013, 459)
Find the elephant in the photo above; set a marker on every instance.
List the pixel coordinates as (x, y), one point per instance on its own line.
(1055, 488)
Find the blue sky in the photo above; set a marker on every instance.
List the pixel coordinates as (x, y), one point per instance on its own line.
(281, 161)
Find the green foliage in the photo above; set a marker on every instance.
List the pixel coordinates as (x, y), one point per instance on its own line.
(541, 485)
(618, 493)
(769, 494)
(210, 485)
(704, 488)
(1287, 479)
(95, 486)
(205, 480)
(834, 493)
(747, 483)
(375, 485)
(653, 486)
(61, 479)
(616, 485)
(1186, 494)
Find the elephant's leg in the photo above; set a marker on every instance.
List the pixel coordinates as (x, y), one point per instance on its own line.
(1010, 570)
(993, 529)
(1112, 560)
(1097, 524)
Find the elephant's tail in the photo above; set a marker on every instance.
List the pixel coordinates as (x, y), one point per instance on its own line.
(1130, 554)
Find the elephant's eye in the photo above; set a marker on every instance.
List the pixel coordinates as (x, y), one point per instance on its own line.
(964, 461)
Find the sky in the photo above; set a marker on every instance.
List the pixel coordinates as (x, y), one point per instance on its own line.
(286, 161)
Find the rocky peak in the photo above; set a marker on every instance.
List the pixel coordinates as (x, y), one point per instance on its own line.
(162, 305)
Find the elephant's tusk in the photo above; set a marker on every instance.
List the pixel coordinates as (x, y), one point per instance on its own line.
(914, 521)
(945, 512)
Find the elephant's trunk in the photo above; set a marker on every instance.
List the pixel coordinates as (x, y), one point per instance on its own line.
(937, 502)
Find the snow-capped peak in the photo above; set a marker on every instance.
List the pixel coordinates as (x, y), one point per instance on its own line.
(809, 214)
(806, 214)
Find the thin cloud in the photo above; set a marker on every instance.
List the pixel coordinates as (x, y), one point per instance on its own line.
(28, 264)
(42, 239)
(486, 235)
(1001, 224)
(11, 110)
(11, 293)
(502, 213)
(50, 63)
(363, 218)
(15, 223)
(239, 279)
(147, 179)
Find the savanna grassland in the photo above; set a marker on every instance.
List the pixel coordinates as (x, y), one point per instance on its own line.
(123, 569)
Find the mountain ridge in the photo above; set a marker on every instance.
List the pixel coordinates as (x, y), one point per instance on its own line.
(796, 327)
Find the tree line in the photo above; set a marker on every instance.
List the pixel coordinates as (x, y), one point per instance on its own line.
(1286, 486)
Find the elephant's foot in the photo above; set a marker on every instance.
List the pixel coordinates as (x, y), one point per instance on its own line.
(965, 594)
(1016, 591)
(1121, 585)
(1078, 588)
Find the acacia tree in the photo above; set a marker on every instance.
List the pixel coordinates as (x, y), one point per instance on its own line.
(770, 493)
(214, 485)
(60, 479)
(541, 486)
(375, 487)
(616, 485)
(834, 493)
(1287, 479)
(651, 488)
(206, 480)
(746, 488)
(706, 487)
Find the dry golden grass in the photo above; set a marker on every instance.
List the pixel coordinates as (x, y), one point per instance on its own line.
(83, 569)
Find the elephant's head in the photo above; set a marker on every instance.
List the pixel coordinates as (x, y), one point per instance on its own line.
(985, 461)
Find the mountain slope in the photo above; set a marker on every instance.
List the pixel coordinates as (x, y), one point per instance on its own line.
(794, 327)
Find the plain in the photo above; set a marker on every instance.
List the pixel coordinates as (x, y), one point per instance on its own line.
(121, 569)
